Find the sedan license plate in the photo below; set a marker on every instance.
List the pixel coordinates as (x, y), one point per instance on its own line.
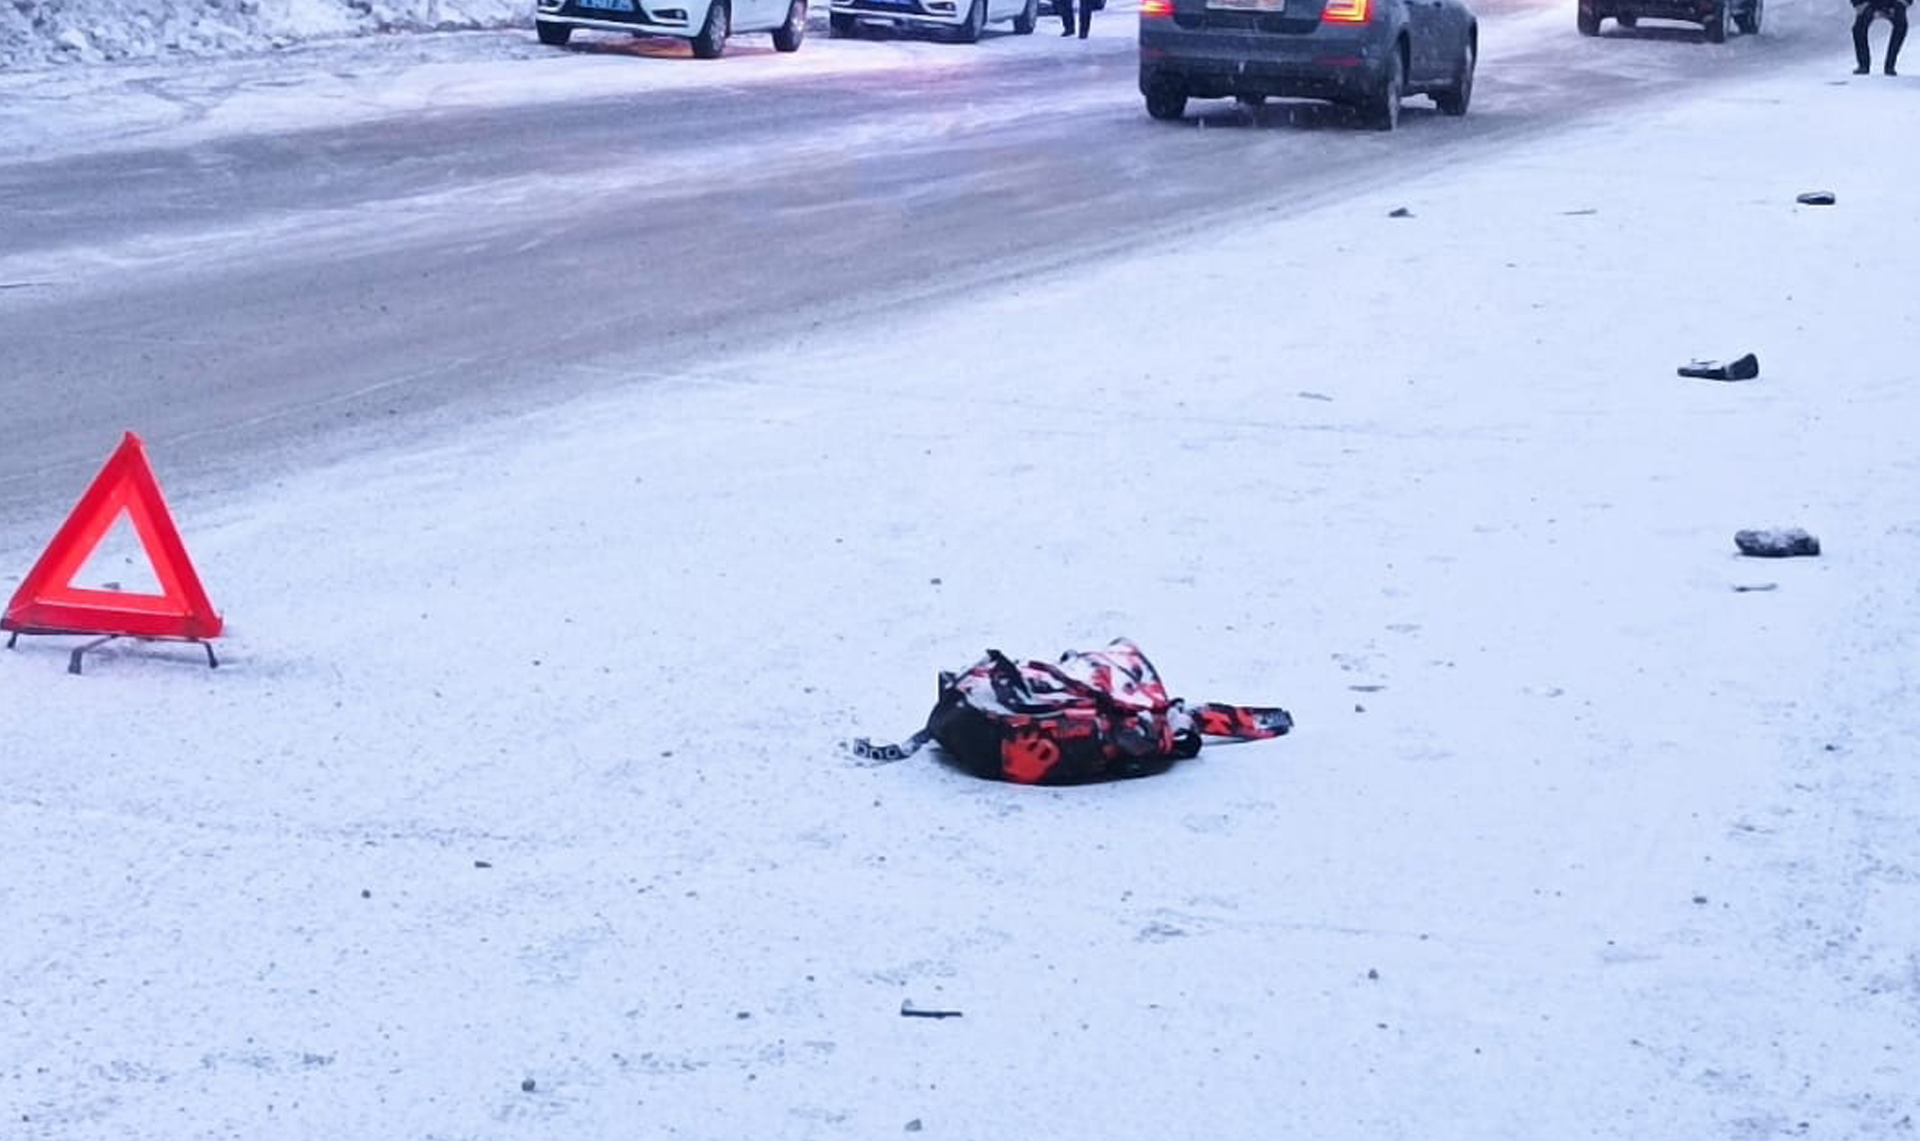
(1248, 5)
(606, 5)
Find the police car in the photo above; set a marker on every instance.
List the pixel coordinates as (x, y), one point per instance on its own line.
(960, 20)
(706, 23)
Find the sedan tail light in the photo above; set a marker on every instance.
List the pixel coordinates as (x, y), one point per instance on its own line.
(1156, 9)
(1347, 11)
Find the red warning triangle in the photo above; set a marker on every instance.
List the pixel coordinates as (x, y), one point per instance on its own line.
(48, 602)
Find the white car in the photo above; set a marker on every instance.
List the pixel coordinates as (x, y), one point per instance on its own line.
(961, 20)
(707, 23)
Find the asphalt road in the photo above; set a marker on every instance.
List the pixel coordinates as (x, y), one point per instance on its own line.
(267, 299)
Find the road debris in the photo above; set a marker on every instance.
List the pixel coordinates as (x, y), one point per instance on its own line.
(1745, 368)
(1776, 542)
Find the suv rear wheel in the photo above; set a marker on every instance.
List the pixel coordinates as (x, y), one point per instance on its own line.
(1589, 21)
(1749, 21)
(553, 35)
(1165, 101)
(1029, 18)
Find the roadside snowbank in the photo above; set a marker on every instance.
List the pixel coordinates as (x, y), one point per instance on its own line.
(37, 33)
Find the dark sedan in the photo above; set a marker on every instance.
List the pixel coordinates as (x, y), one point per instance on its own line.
(1367, 54)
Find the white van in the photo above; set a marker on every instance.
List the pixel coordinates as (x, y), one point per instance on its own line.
(707, 23)
(961, 20)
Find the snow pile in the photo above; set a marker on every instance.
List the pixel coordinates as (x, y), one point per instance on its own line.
(41, 33)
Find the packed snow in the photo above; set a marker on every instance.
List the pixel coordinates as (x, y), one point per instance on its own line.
(517, 807)
(318, 78)
(39, 33)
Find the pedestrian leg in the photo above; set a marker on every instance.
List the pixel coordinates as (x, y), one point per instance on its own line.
(1086, 18)
(1899, 36)
(1861, 22)
(1065, 8)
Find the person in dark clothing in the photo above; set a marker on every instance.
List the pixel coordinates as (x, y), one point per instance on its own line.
(1086, 16)
(1863, 13)
(1065, 8)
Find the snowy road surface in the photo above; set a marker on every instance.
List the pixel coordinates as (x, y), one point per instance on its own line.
(515, 810)
(269, 255)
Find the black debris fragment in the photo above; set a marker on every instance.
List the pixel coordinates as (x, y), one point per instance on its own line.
(908, 1010)
(1745, 368)
(1815, 198)
(1399, 212)
(1776, 542)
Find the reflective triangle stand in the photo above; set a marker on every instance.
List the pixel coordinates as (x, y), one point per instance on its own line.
(74, 659)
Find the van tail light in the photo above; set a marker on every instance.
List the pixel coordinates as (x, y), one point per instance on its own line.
(1347, 11)
(1156, 9)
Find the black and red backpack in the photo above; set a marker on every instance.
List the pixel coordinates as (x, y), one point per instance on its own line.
(1094, 715)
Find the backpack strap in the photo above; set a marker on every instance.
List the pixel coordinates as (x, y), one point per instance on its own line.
(1240, 722)
(869, 753)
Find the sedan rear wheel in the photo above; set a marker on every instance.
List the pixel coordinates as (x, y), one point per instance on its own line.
(1749, 21)
(712, 39)
(1029, 18)
(1589, 21)
(553, 35)
(1455, 102)
(1383, 106)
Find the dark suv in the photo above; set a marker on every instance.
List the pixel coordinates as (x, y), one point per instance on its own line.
(1364, 53)
(1718, 17)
